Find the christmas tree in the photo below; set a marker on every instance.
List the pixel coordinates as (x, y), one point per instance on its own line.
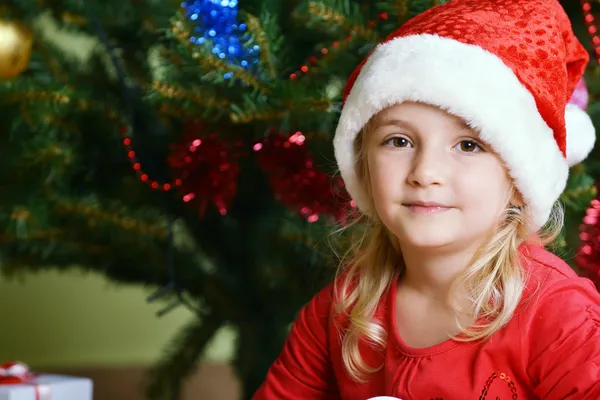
(192, 153)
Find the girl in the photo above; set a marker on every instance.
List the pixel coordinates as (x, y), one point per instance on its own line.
(455, 141)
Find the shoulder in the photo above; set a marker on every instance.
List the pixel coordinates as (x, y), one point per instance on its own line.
(544, 270)
(321, 308)
(559, 328)
(333, 305)
(554, 293)
(543, 263)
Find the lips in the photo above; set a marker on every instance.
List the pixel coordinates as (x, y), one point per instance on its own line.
(425, 204)
(426, 207)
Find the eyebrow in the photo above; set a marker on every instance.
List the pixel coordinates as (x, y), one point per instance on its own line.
(394, 122)
(459, 124)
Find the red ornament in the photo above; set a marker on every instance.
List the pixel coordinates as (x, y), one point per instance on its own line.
(296, 182)
(207, 167)
(588, 255)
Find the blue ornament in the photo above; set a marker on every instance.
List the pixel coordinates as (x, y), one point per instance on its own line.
(216, 23)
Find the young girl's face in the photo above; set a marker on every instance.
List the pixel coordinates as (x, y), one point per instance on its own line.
(433, 182)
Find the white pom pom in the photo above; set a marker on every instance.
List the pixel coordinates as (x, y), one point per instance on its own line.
(581, 134)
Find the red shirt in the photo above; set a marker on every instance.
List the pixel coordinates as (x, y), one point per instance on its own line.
(549, 350)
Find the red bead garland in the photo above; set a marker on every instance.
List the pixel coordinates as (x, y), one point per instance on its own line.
(313, 59)
(209, 168)
(586, 8)
(137, 166)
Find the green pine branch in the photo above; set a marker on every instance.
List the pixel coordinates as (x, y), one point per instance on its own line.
(93, 234)
(27, 92)
(335, 17)
(187, 101)
(400, 11)
(580, 190)
(50, 63)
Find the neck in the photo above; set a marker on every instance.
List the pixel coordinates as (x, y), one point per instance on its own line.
(432, 273)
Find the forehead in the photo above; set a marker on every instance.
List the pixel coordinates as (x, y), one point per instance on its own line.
(418, 115)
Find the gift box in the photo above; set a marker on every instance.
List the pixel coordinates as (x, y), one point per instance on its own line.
(17, 383)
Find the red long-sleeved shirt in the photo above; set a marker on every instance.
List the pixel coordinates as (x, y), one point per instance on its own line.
(549, 350)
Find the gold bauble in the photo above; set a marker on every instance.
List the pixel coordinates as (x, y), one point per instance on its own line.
(16, 41)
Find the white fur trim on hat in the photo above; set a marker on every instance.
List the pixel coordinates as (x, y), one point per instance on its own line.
(466, 81)
(581, 134)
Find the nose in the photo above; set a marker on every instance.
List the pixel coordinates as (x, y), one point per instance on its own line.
(428, 168)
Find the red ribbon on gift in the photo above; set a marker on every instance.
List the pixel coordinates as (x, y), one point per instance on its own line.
(18, 373)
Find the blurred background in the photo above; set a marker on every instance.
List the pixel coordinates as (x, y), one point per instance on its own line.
(168, 191)
(81, 324)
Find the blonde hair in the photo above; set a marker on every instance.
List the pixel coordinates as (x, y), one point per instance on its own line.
(493, 281)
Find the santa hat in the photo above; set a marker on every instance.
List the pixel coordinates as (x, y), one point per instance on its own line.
(507, 67)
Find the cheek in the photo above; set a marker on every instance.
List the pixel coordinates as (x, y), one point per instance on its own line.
(385, 174)
(486, 188)
(380, 187)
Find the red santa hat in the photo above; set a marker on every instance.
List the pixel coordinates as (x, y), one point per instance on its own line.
(507, 67)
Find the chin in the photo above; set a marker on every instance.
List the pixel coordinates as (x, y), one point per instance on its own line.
(433, 232)
(428, 238)
(439, 237)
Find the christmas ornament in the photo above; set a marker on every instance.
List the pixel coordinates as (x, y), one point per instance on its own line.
(208, 168)
(296, 182)
(217, 25)
(16, 41)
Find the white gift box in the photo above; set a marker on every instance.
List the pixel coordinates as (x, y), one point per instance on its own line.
(49, 387)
